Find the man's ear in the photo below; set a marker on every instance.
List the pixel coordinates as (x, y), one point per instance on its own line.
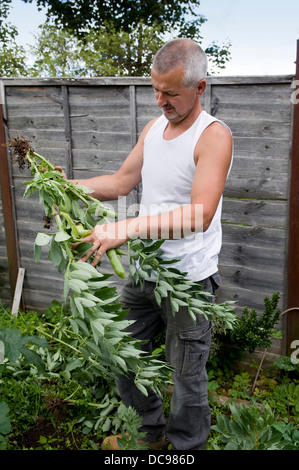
(201, 88)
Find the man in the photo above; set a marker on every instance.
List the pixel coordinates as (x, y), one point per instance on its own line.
(183, 159)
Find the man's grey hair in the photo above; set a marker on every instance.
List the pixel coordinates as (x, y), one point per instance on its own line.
(184, 52)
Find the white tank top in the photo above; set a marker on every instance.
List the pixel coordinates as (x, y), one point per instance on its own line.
(167, 176)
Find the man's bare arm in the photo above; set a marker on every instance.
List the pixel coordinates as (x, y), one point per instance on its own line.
(121, 183)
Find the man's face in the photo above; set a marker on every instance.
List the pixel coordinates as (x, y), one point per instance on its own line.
(176, 100)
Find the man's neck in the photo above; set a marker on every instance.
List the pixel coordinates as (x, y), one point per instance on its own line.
(174, 129)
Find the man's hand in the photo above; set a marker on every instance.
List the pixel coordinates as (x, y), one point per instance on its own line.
(104, 237)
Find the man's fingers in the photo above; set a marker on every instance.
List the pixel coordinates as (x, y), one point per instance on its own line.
(59, 168)
(97, 258)
(96, 248)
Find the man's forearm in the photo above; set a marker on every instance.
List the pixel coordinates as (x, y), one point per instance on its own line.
(178, 223)
(104, 187)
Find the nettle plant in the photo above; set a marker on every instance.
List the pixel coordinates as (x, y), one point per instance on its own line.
(96, 329)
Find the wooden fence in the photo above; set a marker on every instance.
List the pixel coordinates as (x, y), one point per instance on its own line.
(89, 126)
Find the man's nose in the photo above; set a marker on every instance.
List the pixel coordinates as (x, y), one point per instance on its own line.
(161, 99)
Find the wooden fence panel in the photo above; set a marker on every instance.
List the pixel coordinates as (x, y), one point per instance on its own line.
(89, 127)
(5, 291)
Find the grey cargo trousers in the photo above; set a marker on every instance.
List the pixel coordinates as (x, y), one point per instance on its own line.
(187, 349)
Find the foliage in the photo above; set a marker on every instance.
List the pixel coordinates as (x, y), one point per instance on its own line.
(250, 429)
(106, 52)
(65, 407)
(55, 53)
(145, 259)
(94, 333)
(4, 423)
(124, 15)
(12, 56)
(253, 331)
(73, 399)
(218, 56)
(130, 434)
(15, 344)
(111, 53)
(285, 363)
(106, 45)
(89, 333)
(83, 279)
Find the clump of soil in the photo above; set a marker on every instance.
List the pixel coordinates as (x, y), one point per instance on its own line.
(30, 438)
(20, 147)
(46, 426)
(47, 221)
(57, 406)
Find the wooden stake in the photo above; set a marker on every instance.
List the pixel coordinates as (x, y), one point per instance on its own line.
(18, 292)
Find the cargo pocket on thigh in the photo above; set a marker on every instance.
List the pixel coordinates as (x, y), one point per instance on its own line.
(195, 345)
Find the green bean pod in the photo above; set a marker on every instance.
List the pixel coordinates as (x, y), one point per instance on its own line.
(116, 263)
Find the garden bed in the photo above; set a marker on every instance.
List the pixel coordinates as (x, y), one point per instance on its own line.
(55, 411)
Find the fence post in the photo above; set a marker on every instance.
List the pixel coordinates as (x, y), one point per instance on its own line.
(7, 200)
(292, 327)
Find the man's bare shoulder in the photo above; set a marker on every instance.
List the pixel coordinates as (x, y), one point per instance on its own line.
(217, 129)
(216, 140)
(145, 130)
(150, 124)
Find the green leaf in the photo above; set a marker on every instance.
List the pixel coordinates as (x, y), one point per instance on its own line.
(181, 303)
(73, 364)
(5, 425)
(132, 270)
(174, 305)
(82, 325)
(85, 302)
(141, 388)
(74, 325)
(166, 285)
(33, 358)
(42, 239)
(97, 328)
(157, 297)
(77, 285)
(86, 267)
(93, 348)
(83, 275)
(182, 287)
(37, 253)
(96, 285)
(12, 343)
(62, 237)
(153, 247)
(55, 253)
(79, 307)
(120, 361)
(106, 426)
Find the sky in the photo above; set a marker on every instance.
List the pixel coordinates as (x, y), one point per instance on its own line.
(263, 33)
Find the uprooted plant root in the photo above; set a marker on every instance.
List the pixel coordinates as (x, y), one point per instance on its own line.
(20, 148)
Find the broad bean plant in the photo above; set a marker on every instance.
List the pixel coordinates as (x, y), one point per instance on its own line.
(96, 327)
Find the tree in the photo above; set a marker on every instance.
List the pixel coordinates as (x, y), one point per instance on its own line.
(12, 56)
(124, 15)
(104, 52)
(55, 53)
(122, 53)
(108, 37)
